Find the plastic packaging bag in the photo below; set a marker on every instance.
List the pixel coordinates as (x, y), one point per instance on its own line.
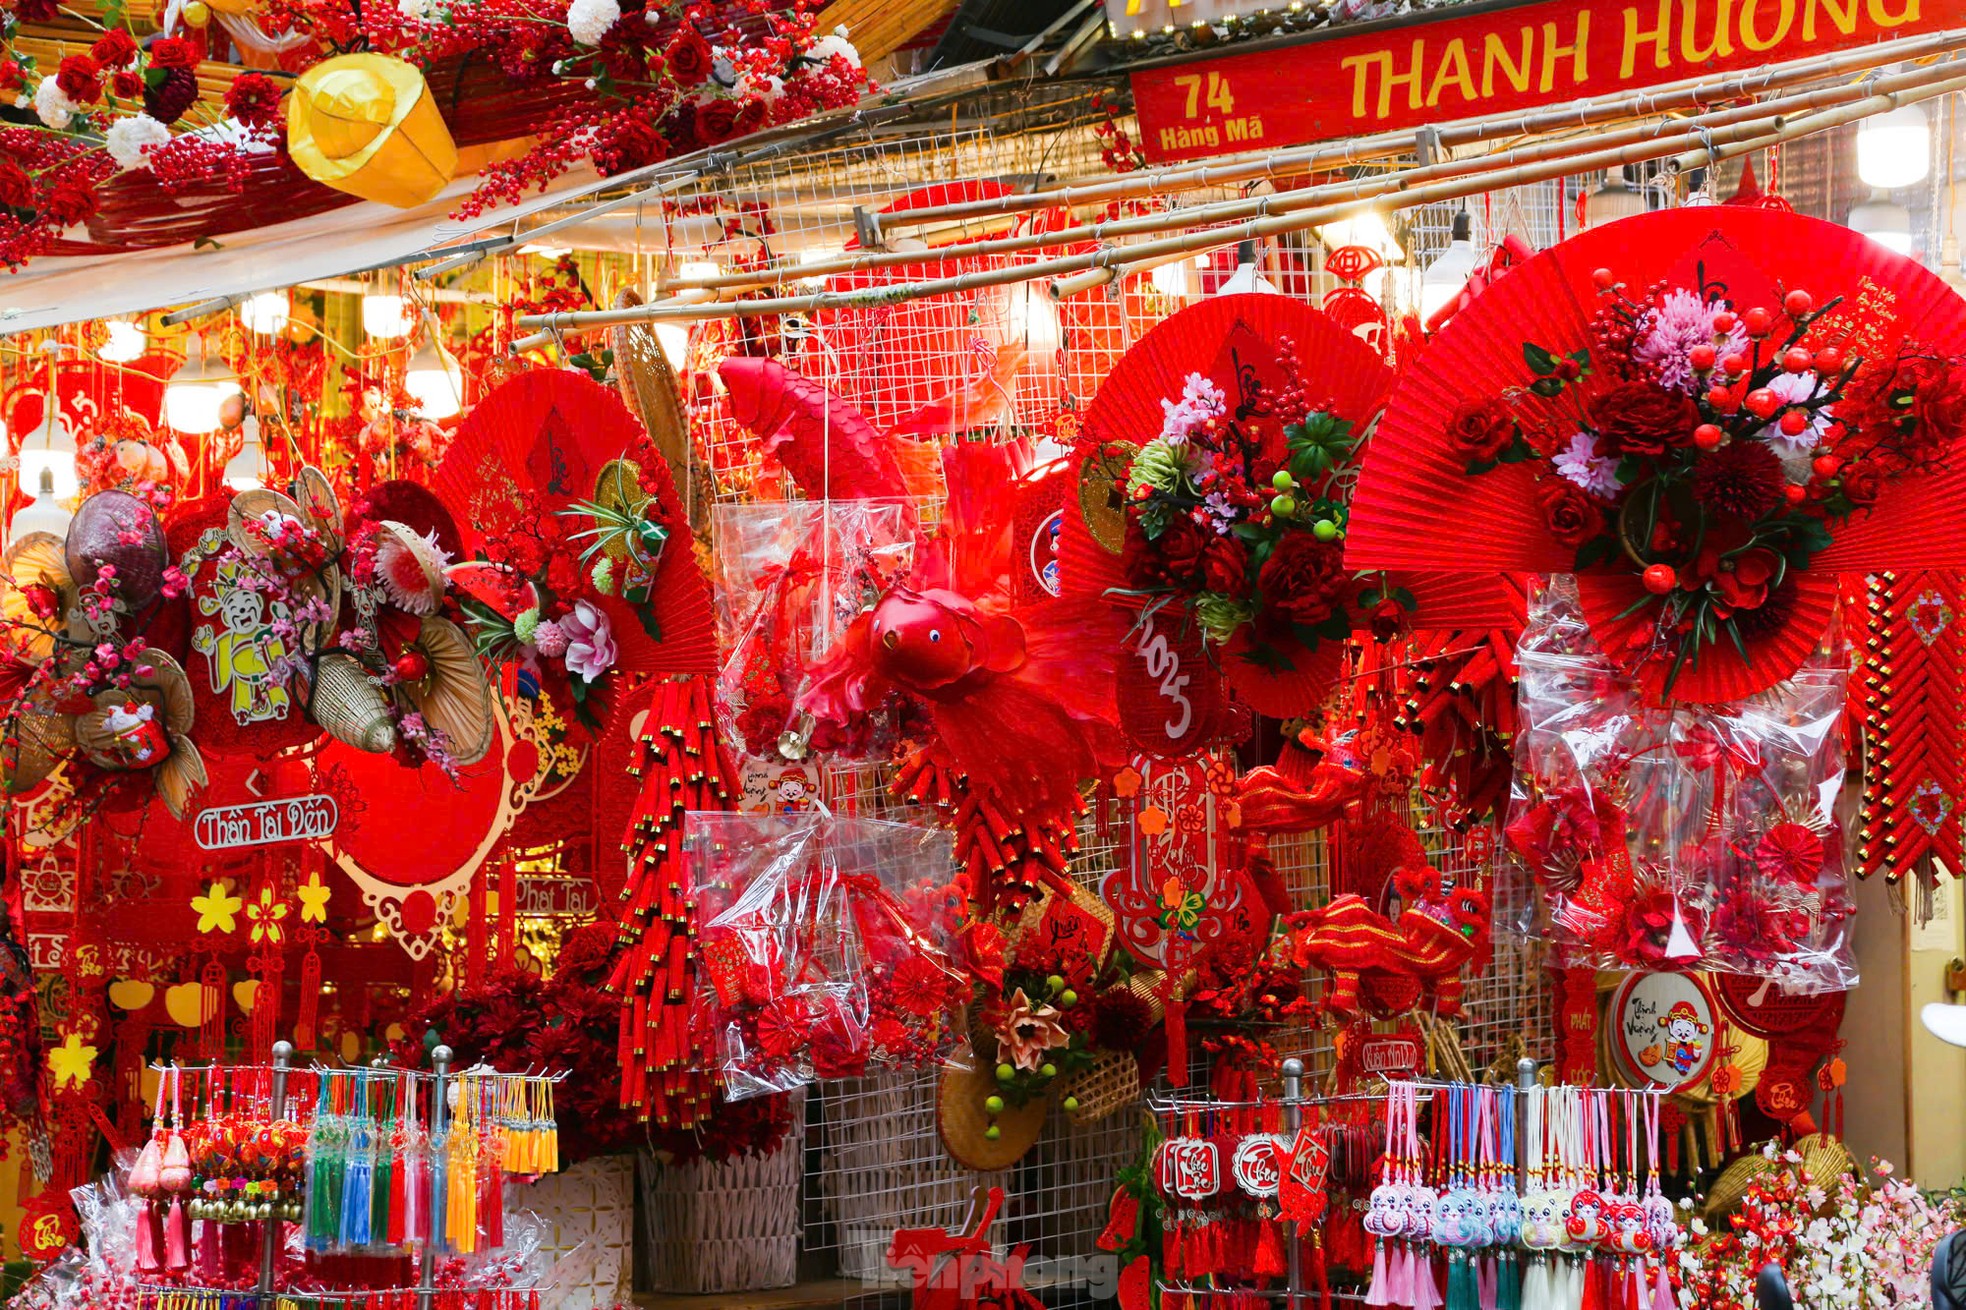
(1680, 836)
(789, 578)
(826, 946)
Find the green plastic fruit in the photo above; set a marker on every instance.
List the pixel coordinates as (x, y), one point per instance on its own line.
(1283, 506)
(1005, 1073)
(1071, 1104)
(992, 1133)
(1048, 1070)
(994, 1104)
(1068, 998)
(1324, 530)
(1283, 481)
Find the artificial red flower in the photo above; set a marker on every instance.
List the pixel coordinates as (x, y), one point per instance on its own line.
(126, 86)
(920, 986)
(1225, 566)
(1649, 931)
(1569, 513)
(16, 187)
(1415, 883)
(1121, 1020)
(80, 79)
(253, 99)
(1026, 1031)
(839, 1043)
(1743, 479)
(1303, 579)
(1479, 430)
(1386, 618)
(69, 203)
(173, 52)
(1790, 852)
(716, 121)
(1643, 419)
(114, 49)
(983, 952)
(688, 58)
(1742, 581)
(1172, 559)
(782, 1027)
(1862, 481)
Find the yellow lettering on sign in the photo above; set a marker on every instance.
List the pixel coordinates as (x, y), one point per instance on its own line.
(1454, 71)
(1751, 36)
(1192, 84)
(1493, 52)
(1909, 14)
(1219, 98)
(1658, 37)
(1718, 48)
(1579, 62)
(1357, 65)
(1844, 16)
(1382, 60)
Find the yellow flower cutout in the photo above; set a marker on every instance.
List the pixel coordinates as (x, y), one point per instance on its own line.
(217, 909)
(313, 899)
(71, 1062)
(266, 912)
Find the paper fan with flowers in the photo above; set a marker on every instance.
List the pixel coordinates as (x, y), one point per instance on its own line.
(1705, 414)
(1215, 468)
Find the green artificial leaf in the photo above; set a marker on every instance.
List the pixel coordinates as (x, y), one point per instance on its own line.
(1540, 361)
(1547, 386)
(1477, 467)
(1593, 552)
(1405, 599)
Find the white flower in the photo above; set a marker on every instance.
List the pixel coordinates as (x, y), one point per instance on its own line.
(130, 139)
(1796, 389)
(1582, 465)
(52, 104)
(417, 10)
(834, 43)
(589, 20)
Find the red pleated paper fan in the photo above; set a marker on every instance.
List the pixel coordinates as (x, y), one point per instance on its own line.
(1417, 508)
(542, 440)
(1715, 671)
(1278, 692)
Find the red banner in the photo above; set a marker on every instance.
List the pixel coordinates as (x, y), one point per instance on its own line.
(1462, 65)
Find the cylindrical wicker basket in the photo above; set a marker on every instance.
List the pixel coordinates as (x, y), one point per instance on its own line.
(726, 1227)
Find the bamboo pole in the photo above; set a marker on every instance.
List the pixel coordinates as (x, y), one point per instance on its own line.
(1735, 118)
(1082, 272)
(1690, 93)
(1105, 270)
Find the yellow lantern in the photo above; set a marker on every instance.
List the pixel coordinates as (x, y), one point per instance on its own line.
(367, 124)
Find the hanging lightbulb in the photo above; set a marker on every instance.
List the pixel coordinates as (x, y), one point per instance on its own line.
(196, 391)
(47, 453)
(1033, 321)
(247, 469)
(265, 313)
(1245, 279)
(699, 270)
(433, 377)
(1895, 149)
(1883, 221)
(1616, 198)
(1451, 268)
(41, 514)
(1368, 228)
(126, 342)
(1175, 279)
(385, 316)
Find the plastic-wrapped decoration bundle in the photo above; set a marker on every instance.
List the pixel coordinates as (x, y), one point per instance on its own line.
(827, 946)
(1679, 835)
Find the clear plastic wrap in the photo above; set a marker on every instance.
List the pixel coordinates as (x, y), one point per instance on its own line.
(1680, 836)
(825, 945)
(789, 578)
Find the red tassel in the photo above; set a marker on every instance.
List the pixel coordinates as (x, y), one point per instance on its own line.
(1175, 1023)
(1593, 1288)
(177, 1237)
(1269, 1261)
(1172, 1242)
(1321, 1275)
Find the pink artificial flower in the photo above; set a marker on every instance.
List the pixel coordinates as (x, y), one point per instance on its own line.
(590, 641)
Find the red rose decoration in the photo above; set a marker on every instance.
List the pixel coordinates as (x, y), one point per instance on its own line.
(1862, 481)
(173, 52)
(1386, 619)
(688, 58)
(80, 79)
(1569, 513)
(752, 116)
(716, 121)
(16, 187)
(1225, 566)
(253, 98)
(126, 86)
(69, 204)
(1480, 430)
(1172, 559)
(1790, 852)
(1303, 579)
(114, 49)
(1643, 419)
(1743, 580)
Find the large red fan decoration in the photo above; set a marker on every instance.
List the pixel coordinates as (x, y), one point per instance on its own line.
(1258, 352)
(527, 458)
(1528, 439)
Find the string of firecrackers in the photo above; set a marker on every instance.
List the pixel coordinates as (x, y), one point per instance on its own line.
(1006, 855)
(682, 766)
(1911, 714)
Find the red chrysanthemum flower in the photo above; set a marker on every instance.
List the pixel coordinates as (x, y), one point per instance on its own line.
(253, 99)
(1742, 480)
